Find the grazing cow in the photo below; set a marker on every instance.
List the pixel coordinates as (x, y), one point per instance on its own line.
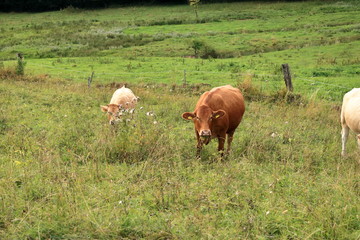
(122, 100)
(350, 116)
(217, 114)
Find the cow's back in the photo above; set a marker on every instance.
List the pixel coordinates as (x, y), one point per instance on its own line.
(226, 98)
(125, 97)
(350, 111)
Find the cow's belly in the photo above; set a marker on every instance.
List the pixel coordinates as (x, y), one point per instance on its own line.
(353, 123)
(352, 114)
(233, 124)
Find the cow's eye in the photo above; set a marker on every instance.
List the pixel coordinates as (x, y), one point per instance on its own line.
(110, 113)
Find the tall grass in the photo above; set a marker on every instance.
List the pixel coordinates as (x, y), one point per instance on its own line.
(66, 174)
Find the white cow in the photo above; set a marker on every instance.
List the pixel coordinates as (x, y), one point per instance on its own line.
(123, 100)
(350, 116)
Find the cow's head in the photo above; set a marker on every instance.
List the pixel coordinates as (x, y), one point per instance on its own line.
(203, 118)
(113, 111)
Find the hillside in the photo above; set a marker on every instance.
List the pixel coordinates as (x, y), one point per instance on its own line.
(320, 41)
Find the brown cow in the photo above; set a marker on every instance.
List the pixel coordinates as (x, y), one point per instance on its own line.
(217, 113)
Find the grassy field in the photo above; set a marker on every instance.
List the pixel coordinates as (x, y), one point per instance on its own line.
(320, 41)
(66, 174)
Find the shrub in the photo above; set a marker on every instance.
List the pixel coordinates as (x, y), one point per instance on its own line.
(203, 50)
(208, 52)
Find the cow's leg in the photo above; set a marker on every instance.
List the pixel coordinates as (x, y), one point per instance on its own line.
(229, 140)
(344, 136)
(199, 144)
(221, 139)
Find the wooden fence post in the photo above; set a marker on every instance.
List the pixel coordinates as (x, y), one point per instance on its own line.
(287, 77)
(90, 79)
(20, 56)
(20, 67)
(184, 80)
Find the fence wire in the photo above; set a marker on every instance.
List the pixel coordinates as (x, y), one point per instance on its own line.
(266, 82)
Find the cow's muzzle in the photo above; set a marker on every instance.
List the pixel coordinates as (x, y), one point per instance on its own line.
(205, 136)
(114, 121)
(205, 133)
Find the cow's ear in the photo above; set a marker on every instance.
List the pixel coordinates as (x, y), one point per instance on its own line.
(218, 114)
(188, 115)
(104, 108)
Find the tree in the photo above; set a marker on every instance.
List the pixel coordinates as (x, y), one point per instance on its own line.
(195, 4)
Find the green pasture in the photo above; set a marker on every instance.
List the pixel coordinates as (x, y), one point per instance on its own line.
(326, 71)
(245, 28)
(66, 174)
(320, 41)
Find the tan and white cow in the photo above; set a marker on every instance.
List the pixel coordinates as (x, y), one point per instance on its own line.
(350, 116)
(123, 100)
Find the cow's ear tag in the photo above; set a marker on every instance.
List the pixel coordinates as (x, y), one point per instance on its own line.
(217, 116)
(189, 117)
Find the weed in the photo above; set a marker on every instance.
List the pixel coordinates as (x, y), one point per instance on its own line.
(289, 97)
(250, 91)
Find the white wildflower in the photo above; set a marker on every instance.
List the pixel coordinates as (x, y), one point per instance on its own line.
(274, 134)
(150, 114)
